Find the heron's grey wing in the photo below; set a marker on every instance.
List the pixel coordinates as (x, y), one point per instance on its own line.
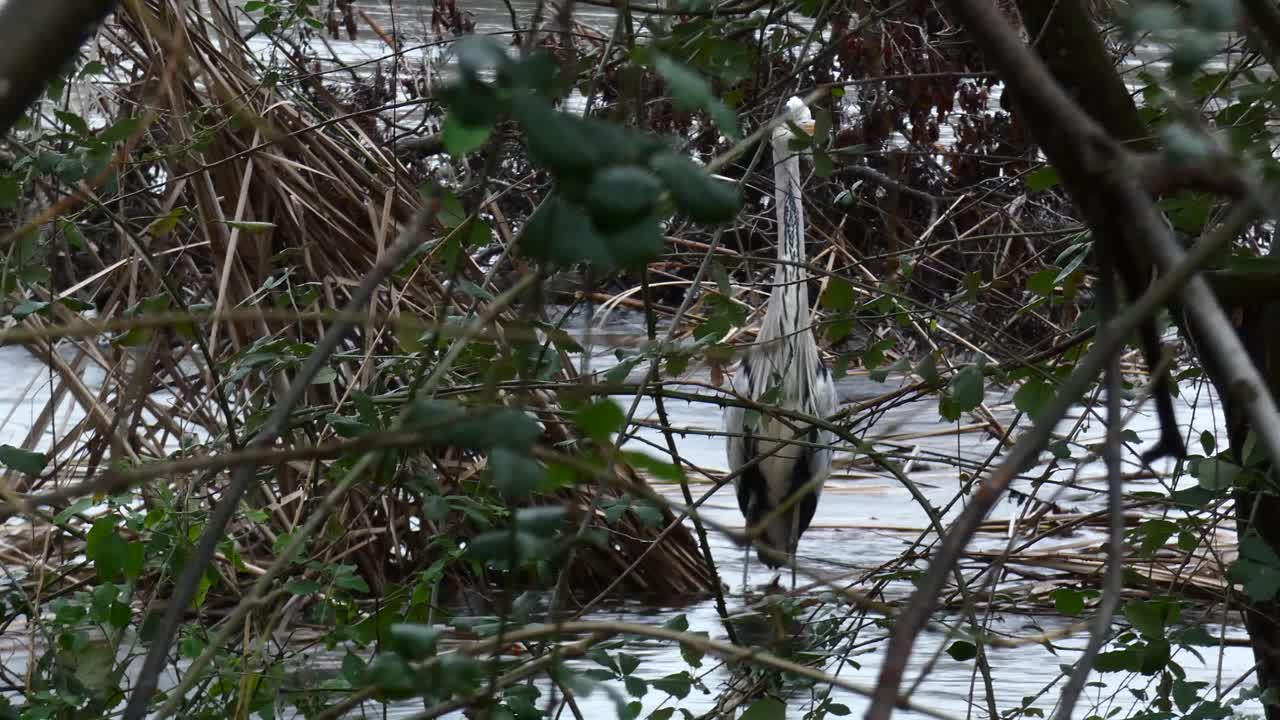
(735, 442)
(825, 402)
(735, 420)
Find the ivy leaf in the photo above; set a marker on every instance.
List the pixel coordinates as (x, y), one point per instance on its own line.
(838, 295)
(766, 708)
(1151, 617)
(10, 191)
(1033, 396)
(460, 139)
(1257, 568)
(1218, 474)
(1043, 282)
(1068, 602)
(676, 685)
(962, 650)
(1042, 178)
(1208, 442)
(24, 461)
(600, 419)
(966, 392)
(120, 130)
(636, 687)
(104, 547)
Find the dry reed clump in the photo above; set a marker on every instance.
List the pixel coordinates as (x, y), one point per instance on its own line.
(259, 201)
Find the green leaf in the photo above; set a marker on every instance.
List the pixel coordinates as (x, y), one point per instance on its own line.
(303, 587)
(451, 213)
(553, 138)
(690, 91)
(701, 197)
(414, 641)
(967, 388)
(632, 246)
(27, 308)
(1151, 617)
(515, 474)
(562, 233)
(838, 295)
(353, 669)
(478, 53)
(540, 521)
(1152, 17)
(1042, 178)
(10, 191)
(324, 376)
(636, 687)
(1218, 474)
(120, 130)
(104, 547)
(600, 419)
(348, 580)
(75, 508)
(676, 684)
(1194, 47)
(1207, 442)
(1043, 282)
(24, 461)
(627, 664)
(1117, 661)
(73, 121)
(619, 196)
(692, 654)
(962, 650)
(93, 668)
(1034, 395)
(165, 224)
(659, 469)
(821, 124)
(483, 428)
(504, 550)
(1155, 533)
(822, 165)
(1257, 568)
(1070, 602)
(392, 675)
(250, 227)
(679, 623)
(460, 139)
(766, 708)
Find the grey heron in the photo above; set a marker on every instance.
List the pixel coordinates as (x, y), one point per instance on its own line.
(783, 369)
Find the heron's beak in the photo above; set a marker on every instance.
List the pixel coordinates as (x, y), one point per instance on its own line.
(807, 126)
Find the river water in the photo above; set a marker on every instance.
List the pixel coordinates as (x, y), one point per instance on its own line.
(865, 518)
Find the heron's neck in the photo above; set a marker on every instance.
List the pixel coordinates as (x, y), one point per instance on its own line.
(790, 275)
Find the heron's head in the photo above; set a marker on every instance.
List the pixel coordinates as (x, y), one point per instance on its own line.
(798, 113)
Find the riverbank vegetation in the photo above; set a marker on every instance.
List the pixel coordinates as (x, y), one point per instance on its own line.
(317, 294)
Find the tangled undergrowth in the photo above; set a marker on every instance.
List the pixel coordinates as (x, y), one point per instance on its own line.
(200, 217)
